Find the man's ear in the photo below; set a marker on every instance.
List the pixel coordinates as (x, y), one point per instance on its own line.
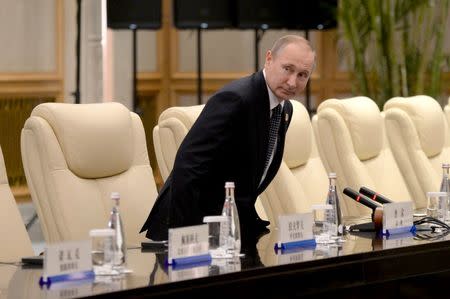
(269, 57)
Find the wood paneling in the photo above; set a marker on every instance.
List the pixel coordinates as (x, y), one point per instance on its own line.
(165, 81)
(24, 86)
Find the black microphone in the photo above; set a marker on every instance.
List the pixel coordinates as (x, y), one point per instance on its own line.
(377, 210)
(362, 198)
(374, 195)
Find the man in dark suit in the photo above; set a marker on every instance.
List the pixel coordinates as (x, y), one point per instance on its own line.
(230, 142)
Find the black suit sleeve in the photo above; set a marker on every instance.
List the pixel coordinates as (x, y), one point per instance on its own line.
(199, 150)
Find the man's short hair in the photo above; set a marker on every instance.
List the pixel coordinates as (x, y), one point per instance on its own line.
(289, 39)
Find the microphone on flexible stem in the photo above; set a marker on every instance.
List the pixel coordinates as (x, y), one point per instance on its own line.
(374, 195)
(377, 208)
(361, 198)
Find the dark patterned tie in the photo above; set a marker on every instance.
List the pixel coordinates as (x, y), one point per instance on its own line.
(273, 132)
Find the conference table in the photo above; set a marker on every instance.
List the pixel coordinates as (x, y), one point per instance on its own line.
(364, 265)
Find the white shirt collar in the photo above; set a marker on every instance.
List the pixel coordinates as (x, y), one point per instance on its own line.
(273, 100)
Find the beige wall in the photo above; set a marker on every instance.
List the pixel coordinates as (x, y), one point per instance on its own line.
(27, 36)
(37, 58)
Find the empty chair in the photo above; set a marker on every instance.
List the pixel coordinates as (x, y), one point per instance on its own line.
(352, 142)
(418, 133)
(74, 156)
(302, 179)
(14, 239)
(447, 117)
(173, 125)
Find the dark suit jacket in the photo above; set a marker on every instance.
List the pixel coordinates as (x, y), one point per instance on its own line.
(228, 142)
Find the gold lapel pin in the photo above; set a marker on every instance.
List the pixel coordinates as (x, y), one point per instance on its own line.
(286, 117)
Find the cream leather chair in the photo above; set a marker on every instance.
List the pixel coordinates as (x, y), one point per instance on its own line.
(447, 116)
(74, 156)
(352, 142)
(173, 125)
(302, 179)
(14, 239)
(418, 134)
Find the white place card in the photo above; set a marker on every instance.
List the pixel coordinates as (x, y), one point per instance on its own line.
(295, 228)
(67, 261)
(397, 217)
(188, 242)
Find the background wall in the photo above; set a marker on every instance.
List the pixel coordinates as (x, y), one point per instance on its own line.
(37, 64)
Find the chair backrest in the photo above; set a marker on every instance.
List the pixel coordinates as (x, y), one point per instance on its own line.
(173, 125)
(352, 142)
(14, 239)
(447, 118)
(74, 156)
(302, 179)
(418, 134)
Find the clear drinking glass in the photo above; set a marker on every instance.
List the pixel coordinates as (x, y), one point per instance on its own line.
(216, 249)
(320, 225)
(437, 205)
(103, 251)
(445, 187)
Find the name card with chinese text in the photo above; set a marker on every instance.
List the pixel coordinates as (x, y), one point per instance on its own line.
(295, 230)
(397, 218)
(67, 261)
(188, 245)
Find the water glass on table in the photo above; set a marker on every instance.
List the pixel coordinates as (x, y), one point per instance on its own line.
(437, 205)
(320, 225)
(216, 235)
(103, 251)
